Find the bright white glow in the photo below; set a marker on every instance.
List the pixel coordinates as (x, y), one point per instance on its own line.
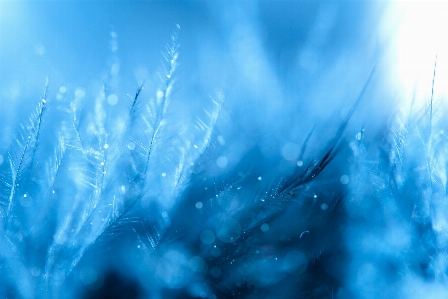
(422, 36)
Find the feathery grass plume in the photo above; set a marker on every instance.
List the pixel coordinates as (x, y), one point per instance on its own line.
(399, 199)
(24, 149)
(115, 205)
(16, 219)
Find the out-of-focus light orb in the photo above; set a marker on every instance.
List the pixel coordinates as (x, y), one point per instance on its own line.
(264, 227)
(196, 263)
(88, 275)
(222, 162)
(112, 99)
(228, 231)
(344, 179)
(80, 93)
(290, 151)
(295, 262)
(207, 237)
(35, 271)
(421, 37)
(215, 252)
(215, 272)
(159, 94)
(172, 269)
(26, 201)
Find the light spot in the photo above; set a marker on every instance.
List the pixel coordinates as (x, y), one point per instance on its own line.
(222, 162)
(39, 50)
(88, 275)
(106, 146)
(215, 272)
(228, 231)
(303, 233)
(215, 252)
(196, 264)
(26, 201)
(159, 94)
(112, 99)
(35, 271)
(61, 239)
(358, 136)
(80, 93)
(221, 140)
(300, 163)
(163, 174)
(290, 151)
(264, 227)
(123, 189)
(344, 179)
(102, 163)
(199, 205)
(62, 89)
(324, 206)
(260, 178)
(114, 69)
(295, 262)
(173, 269)
(131, 146)
(207, 237)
